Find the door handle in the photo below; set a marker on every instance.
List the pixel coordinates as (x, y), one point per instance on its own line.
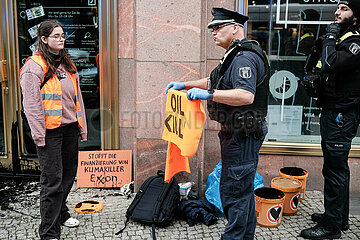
(3, 71)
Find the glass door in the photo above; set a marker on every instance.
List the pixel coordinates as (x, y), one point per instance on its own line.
(89, 24)
(81, 24)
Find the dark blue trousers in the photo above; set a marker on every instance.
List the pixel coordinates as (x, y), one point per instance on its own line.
(336, 140)
(58, 163)
(239, 162)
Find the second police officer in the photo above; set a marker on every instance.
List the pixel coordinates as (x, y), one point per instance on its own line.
(237, 93)
(335, 80)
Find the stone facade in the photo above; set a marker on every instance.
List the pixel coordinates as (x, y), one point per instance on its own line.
(167, 40)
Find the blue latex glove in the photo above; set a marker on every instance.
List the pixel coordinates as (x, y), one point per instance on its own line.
(176, 86)
(197, 93)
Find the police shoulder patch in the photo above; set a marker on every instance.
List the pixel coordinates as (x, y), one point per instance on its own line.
(245, 72)
(354, 48)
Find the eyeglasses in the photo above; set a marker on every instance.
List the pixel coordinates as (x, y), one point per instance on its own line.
(217, 27)
(57, 37)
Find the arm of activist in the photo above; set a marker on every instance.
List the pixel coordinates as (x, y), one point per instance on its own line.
(31, 77)
(83, 130)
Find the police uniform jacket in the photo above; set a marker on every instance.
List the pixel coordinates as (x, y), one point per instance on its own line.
(340, 68)
(246, 71)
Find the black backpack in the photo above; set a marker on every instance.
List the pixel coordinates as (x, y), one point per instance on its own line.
(155, 202)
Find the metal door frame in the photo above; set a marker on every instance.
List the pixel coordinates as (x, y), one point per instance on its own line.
(9, 86)
(109, 74)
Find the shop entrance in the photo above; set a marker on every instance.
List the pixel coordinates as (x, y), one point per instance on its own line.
(8, 92)
(18, 27)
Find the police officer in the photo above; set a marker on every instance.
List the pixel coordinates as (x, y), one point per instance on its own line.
(308, 32)
(237, 93)
(339, 91)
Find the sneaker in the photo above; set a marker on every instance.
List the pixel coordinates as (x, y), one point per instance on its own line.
(71, 222)
(316, 217)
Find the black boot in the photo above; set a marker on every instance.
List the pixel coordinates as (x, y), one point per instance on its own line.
(319, 232)
(316, 217)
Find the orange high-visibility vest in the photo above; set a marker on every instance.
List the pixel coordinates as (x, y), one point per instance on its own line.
(52, 97)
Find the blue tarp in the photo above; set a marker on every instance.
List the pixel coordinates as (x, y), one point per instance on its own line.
(212, 193)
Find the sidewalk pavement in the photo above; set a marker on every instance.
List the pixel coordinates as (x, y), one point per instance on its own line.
(21, 217)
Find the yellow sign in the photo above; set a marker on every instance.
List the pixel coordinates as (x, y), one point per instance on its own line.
(104, 169)
(184, 122)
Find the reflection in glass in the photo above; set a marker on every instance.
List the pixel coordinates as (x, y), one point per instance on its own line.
(80, 21)
(287, 33)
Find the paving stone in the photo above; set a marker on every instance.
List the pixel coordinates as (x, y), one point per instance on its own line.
(23, 223)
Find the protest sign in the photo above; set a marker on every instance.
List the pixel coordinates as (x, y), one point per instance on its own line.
(184, 122)
(104, 169)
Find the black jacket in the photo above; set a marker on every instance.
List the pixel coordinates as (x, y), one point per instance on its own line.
(340, 68)
(195, 211)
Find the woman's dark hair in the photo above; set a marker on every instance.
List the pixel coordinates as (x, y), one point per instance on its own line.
(45, 29)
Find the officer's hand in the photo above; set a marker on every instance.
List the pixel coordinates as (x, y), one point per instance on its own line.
(176, 86)
(311, 84)
(197, 93)
(305, 83)
(333, 30)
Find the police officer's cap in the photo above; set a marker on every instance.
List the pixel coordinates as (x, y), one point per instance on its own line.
(354, 5)
(222, 15)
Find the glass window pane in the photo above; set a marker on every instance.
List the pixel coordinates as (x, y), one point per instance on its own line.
(80, 21)
(287, 32)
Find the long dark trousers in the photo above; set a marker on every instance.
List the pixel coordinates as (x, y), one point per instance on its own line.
(58, 162)
(239, 162)
(336, 137)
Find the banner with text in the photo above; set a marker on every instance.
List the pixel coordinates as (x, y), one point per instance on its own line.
(184, 122)
(104, 169)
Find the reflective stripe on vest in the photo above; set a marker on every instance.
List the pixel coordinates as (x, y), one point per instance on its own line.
(306, 35)
(52, 97)
(347, 35)
(52, 113)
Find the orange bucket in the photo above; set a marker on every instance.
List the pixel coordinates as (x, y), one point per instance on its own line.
(269, 206)
(297, 173)
(291, 188)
